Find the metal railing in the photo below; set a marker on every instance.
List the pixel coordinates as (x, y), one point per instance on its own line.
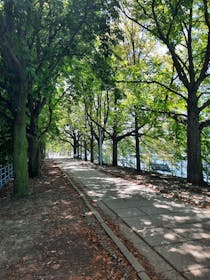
(6, 174)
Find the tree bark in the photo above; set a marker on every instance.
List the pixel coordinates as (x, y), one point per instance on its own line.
(34, 148)
(85, 149)
(138, 162)
(34, 156)
(114, 149)
(75, 147)
(79, 149)
(92, 148)
(100, 146)
(194, 163)
(20, 140)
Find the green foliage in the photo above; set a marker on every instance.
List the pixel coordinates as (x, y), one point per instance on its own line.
(5, 144)
(39, 40)
(142, 75)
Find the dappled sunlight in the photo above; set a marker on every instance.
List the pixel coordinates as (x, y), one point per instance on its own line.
(110, 186)
(95, 194)
(113, 179)
(170, 236)
(197, 251)
(145, 222)
(179, 219)
(162, 206)
(174, 204)
(195, 233)
(83, 169)
(177, 231)
(158, 235)
(192, 266)
(195, 272)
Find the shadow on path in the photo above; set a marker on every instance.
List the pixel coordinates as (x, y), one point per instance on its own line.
(175, 231)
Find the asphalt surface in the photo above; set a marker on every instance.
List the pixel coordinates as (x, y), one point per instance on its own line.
(174, 236)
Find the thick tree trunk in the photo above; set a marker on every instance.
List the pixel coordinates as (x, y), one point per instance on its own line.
(114, 150)
(75, 147)
(138, 163)
(92, 148)
(34, 156)
(194, 161)
(79, 153)
(100, 147)
(99, 153)
(34, 149)
(20, 142)
(85, 149)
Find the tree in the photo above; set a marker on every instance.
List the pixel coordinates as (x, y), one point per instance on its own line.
(15, 58)
(64, 30)
(133, 61)
(36, 37)
(135, 57)
(184, 28)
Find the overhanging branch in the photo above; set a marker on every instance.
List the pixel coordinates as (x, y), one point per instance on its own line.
(153, 82)
(204, 124)
(205, 105)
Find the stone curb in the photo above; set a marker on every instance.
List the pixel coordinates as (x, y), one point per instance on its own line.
(160, 265)
(142, 274)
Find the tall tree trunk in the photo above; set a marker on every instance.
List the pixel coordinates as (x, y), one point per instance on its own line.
(79, 153)
(194, 161)
(138, 163)
(85, 149)
(34, 149)
(100, 147)
(34, 156)
(99, 151)
(114, 149)
(20, 141)
(75, 147)
(92, 148)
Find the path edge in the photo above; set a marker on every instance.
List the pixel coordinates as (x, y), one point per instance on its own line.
(139, 269)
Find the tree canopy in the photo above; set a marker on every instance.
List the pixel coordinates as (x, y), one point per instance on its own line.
(107, 79)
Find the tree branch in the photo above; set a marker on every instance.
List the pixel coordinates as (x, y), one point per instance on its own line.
(49, 122)
(205, 105)
(181, 118)
(65, 140)
(205, 66)
(154, 82)
(99, 125)
(136, 21)
(129, 133)
(203, 124)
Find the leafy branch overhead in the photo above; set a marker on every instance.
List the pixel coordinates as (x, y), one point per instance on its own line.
(104, 80)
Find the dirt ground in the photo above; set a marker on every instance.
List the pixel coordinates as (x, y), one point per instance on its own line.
(51, 235)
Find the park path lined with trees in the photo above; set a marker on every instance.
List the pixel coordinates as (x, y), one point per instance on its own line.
(104, 81)
(51, 234)
(104, 78)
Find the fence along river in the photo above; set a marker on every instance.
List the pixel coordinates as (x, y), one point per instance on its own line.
(6, 174)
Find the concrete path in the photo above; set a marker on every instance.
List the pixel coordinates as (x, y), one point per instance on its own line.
(172, 235)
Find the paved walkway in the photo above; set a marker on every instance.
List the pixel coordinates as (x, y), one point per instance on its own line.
(175, 237)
